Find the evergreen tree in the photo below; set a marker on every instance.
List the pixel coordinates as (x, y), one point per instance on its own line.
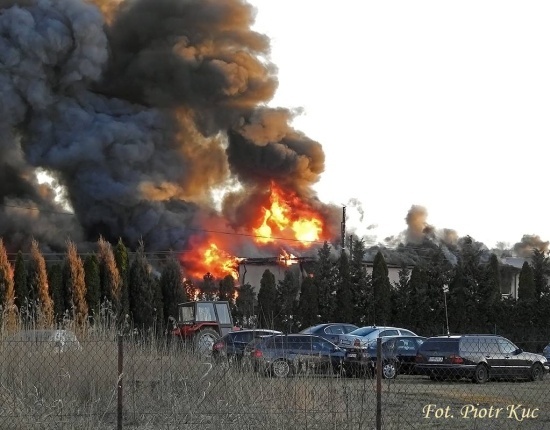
(55, 281)
(267, 300)
(308, 304)
(141, 293)
(360, 283)
(76, 284)
(463, 289)
(227, 288)
(287, 293)
(541, 267)
(158, 305)
(173, 290)
(489, 293)
(416, 300)
(111, 283)
(227, 292)
(21, 283)
(381, 288)
(343, 311)
(438, 272)
(526, 284)
(7, 291)
(208, 288)
(38, 281)
(400, 302)
(324, 277)
(92, 278)
(245, 315)
(123, 265)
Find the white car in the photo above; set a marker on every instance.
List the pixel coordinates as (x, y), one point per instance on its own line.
(361, 337)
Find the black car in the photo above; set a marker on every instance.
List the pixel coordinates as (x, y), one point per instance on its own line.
(478, 357)
(284, 355)
(330, 331)
(230, 348)
(398, 355)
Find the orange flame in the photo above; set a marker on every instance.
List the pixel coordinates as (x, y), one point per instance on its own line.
(211, 259)
(288, 216)
(287, 258)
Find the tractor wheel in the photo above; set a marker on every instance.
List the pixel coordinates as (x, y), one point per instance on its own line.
(204, 340)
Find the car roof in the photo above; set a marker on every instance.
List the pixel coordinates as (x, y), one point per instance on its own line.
(459, 336)
(317, 326)
(264, 331)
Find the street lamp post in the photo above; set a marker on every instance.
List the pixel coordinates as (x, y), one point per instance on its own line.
(445, 291)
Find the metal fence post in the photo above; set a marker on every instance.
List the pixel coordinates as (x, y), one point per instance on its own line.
(119, 384)
(379, 383)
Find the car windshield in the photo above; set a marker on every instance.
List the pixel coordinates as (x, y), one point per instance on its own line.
(363, 331)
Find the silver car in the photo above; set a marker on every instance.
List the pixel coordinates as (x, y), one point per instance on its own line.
(363, 336)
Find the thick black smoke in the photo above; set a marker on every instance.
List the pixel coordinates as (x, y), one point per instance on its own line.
(138, 117)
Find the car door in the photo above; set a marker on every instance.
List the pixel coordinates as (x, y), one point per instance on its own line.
(490, 351)
(514, 365)
(238, 341)
(326, 355)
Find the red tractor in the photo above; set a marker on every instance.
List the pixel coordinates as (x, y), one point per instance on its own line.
(200, 324)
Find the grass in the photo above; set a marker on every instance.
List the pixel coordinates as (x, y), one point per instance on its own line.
(171, 388)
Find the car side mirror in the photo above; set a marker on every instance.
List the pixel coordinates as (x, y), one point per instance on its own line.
(518, 351)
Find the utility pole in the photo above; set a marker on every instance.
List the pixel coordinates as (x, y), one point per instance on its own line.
(445, 291)
(343, 227)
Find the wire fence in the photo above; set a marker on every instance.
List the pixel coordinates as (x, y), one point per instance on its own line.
(122, 383)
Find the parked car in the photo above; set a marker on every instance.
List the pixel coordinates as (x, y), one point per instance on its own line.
(57, 340)
(284, 355)
(398, 356)
(478, 357)
(230, 348)
(361, 337)
(546, 352)
(330, 331)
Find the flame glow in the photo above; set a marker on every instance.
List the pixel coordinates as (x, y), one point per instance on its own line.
(287, 216)
(283, 216)
(211, 259)
(287, 258)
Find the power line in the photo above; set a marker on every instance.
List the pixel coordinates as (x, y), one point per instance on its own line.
(202, 230)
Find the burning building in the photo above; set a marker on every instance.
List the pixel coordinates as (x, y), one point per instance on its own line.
(143, 112)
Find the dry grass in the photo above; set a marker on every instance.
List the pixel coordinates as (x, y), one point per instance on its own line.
(171, 388)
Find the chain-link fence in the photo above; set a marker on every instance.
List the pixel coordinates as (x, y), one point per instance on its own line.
(122, 383)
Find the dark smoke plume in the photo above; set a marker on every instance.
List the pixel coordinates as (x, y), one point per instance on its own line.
(139, 109)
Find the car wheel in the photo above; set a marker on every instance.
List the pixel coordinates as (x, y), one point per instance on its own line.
(481, 374)
(280, 368)
(389, 370)
(537, 372)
